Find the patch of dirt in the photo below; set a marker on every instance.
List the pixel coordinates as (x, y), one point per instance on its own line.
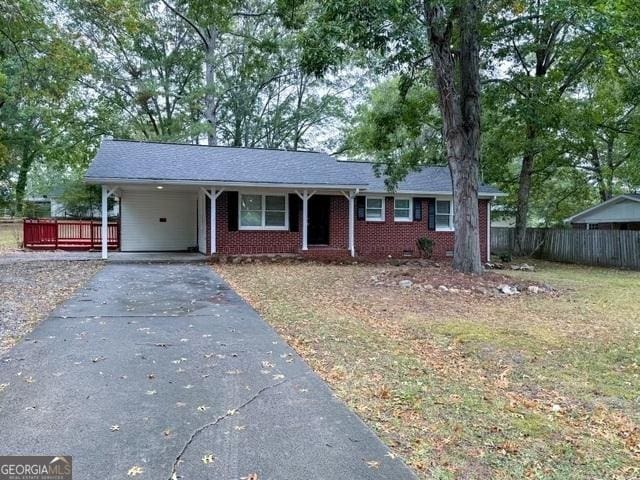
(29, 291)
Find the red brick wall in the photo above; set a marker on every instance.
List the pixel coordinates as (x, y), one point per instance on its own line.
(381, 239)
(373, 239)
(249, 242)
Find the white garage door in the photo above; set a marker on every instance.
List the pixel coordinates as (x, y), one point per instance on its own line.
(158, 221)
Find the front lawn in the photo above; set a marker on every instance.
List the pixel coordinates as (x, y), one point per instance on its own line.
(466, 384)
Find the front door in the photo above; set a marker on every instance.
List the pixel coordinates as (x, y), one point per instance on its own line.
(318, 233)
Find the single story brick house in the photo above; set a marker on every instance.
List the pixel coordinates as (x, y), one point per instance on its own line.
(621, 212)
(234, 201)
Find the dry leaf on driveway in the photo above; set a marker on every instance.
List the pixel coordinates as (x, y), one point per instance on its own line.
(135, 470)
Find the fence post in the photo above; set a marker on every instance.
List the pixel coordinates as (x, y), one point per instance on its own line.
(57, 233)
(91, 228)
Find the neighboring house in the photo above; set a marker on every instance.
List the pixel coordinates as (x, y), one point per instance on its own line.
(230, 200)
(618, 213)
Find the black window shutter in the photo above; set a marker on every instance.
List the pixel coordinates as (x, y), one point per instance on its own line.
(232, 210)
(361, 209)
(431, 210)
(294, 212)
(417, 209)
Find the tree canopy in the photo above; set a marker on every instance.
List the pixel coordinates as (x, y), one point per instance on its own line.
(559, 87)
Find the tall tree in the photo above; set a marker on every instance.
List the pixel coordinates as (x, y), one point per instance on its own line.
(438, 36)
(539, 50)
(40, 66)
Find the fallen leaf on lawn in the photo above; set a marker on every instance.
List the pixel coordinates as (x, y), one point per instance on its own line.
(180, 404)
(239, 428)
(3, 386)
(29, 380)
(266, 364)
(135, 470)
(115, 428)
(278, 376)
(151, 392)
(207, 459)
(231, 412)
(151, 376)
(373, 464)
(166, 432)
(392, 455)
(202, 408)
(251, 476)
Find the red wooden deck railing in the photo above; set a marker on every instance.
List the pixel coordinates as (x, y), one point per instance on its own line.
(69, 234)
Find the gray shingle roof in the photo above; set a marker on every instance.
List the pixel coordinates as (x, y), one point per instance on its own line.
(152, 161)
(428, 179)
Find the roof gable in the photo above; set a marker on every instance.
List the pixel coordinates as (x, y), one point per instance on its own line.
(622, 208)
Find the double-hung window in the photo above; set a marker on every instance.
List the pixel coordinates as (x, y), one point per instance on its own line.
(263, 212)
(402, 209)
(375, 209)
(444, 215)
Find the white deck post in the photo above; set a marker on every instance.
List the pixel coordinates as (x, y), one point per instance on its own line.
(305, 217)
(104, 232)
(352, 242)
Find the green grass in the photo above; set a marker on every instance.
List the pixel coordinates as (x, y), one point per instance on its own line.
(536, 386)
(10, 236)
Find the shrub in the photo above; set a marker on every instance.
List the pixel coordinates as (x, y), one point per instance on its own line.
(425, 245)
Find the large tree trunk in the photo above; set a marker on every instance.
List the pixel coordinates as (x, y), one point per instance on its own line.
(23, 174)
(460, 109)
(210, 99)
(524, 191)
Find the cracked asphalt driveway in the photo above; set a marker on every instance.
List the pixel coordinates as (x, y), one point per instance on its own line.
(163, 372)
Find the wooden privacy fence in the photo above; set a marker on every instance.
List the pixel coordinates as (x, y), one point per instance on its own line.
(607, 248)
(49, 234)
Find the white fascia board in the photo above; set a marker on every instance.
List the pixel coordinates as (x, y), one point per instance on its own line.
(431, 193)
(200, 183)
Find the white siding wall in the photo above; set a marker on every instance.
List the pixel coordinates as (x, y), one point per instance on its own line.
(141, 228)
(622, 211)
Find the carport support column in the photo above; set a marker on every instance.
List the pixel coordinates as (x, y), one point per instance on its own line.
(213, 195)
(104, 225)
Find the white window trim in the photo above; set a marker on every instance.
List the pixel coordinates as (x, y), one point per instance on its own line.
(263, 226)
(451, 227)
(403, 219)
(366, 207)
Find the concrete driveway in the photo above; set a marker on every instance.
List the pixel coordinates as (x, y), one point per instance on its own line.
(163, 372)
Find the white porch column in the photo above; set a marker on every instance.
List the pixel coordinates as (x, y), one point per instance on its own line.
(305, 220)
(352, 236)
(351, 196)
(213, 195)
(212, 220)
(305, 196)
(104, 232)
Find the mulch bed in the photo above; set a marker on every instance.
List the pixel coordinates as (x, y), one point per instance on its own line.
(29, 291)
